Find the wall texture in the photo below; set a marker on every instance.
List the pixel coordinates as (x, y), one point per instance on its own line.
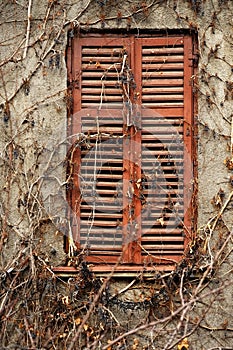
(187, 309)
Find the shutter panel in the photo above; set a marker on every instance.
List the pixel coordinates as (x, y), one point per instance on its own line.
(102, 168)
(162, 63)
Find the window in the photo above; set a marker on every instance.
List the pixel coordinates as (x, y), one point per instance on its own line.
(131, 157)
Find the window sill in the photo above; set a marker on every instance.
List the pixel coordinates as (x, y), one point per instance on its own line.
(117, 271)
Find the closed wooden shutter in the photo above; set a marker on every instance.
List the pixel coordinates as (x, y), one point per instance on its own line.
(165, 66)
(132, 145)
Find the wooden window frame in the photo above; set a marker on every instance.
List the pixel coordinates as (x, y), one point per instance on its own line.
(129, 263)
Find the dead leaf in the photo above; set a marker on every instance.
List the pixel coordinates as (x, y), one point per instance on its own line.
(138, 183)
(65, 300)
(97, 64)
(85, 327)
(183, 345)
(161, 221)
(135, 344)
(218, 198)
(78, 321)
(229, 163)
(109, 347)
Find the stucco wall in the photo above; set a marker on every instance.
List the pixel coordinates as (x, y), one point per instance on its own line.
(33, 99)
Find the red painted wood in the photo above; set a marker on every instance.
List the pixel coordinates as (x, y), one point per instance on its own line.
(162, 71)
(188, 138)
(136, 153)
(118, 268)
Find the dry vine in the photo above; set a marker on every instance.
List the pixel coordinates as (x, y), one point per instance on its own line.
(40, 310)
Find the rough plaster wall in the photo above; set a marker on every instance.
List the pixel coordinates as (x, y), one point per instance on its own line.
(36, 90)
(45, 105)
(36, 112)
